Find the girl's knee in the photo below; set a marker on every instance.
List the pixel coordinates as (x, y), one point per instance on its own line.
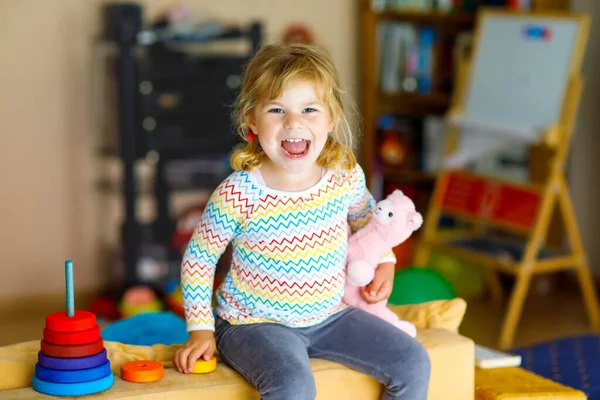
(418, 357)
(290, 383)
(410, 372)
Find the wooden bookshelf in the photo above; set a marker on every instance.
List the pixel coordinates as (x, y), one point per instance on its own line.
(430, 19)
(411, 104)
(375, 102)
(399, 175)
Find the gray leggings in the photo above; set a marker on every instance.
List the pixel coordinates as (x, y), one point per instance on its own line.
(275, 358)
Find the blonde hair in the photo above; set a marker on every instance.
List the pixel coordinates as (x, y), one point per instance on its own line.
(267, 75)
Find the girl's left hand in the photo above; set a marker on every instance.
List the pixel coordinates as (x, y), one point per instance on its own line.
(381, 286)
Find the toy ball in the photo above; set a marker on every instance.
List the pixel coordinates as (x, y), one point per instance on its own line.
(138, 300)
(170, 286)
(174, 298)
(392, 150)
(466, 278)
(175, 301)
(186, 224)
(416, 285)
(148, 329)
(106, 308)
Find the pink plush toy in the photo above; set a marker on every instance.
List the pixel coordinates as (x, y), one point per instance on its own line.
(394, 220)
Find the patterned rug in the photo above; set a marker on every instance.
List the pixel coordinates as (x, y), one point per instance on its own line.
(573, 361)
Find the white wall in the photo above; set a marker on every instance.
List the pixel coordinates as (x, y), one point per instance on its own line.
(49, 210)
(584, 172)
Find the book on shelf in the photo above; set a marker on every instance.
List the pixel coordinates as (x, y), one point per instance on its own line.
(447, 6)
(417, 59)
(405, 57)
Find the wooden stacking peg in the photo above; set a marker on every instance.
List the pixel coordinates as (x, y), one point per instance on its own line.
(71, 320)
(72, 360)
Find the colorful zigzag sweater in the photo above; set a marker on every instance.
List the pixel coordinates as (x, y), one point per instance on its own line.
(289, 251)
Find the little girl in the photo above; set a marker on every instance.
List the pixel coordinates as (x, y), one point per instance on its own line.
(285, 210)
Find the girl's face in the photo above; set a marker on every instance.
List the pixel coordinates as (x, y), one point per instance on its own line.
(293, 128)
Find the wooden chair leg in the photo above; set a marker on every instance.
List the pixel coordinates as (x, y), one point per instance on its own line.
(590, 298)
(422, 254)
(495, 287)
(586, 282)
(515, 308)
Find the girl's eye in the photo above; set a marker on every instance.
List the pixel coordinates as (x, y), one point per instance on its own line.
(310, 110)
(391, 215)
(276, 110)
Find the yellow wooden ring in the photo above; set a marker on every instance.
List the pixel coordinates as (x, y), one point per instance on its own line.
(203, 366)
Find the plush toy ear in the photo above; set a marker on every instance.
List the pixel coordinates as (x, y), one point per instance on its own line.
(396, 195)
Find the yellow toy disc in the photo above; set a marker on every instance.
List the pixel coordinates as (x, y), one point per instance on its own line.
(203, 366)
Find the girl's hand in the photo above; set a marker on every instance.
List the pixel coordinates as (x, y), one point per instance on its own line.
(201, 344)
(381, 286)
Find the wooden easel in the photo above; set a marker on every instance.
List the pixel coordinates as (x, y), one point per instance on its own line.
(522, 208)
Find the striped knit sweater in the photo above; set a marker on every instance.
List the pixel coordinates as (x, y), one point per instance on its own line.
(289, 251)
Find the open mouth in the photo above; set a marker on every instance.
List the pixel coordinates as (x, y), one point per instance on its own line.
(295, 148)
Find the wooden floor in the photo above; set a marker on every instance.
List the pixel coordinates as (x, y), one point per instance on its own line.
(545, 317)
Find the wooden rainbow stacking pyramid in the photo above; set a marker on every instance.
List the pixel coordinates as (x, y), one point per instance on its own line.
(72, 360)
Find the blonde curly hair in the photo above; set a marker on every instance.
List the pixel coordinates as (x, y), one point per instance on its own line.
(266, 76)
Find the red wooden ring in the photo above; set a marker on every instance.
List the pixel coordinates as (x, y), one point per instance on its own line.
(81, 337)
(72, 351)
(61, 322)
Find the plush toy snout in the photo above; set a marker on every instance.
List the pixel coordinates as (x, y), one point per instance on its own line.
(415, 220)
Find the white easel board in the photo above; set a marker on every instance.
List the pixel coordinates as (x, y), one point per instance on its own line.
(519, 73)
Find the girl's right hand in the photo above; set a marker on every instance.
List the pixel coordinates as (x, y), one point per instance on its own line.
(201, 344)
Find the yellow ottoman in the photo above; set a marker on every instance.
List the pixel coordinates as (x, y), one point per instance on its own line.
(517, 384)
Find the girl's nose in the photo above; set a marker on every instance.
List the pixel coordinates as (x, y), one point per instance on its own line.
(293, 121)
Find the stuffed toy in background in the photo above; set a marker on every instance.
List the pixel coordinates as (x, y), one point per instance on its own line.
(394, 221)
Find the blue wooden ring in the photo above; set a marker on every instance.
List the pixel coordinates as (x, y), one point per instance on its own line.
(72, 389)
(74, 376)
(72, 363)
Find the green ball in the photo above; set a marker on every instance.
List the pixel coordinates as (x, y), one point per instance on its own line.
(416, 285)
(466, 278)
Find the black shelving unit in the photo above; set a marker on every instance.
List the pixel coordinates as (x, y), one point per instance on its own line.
(173, 105)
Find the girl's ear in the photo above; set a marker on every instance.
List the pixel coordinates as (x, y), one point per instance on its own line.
(251, 122)
(330, 126)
